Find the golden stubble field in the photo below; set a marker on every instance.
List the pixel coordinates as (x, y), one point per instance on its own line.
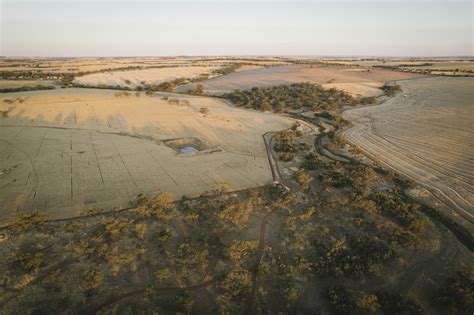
(65, 151)
(150, 76)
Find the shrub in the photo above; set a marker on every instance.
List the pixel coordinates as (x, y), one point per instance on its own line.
(304, 179)
(391, 89)
(236, 214)
(199, 89)
(311, 162)
(157, 205)
(367, 100)
(204, 110)
(285, 157)
(396, 304)
(173, 101)
(368, 302)
(237, 284)
(284, 141)
(340, 300)
(458, 293)
(240, 250)
(92, 279)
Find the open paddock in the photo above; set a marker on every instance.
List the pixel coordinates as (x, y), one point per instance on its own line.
(150, 76)
(65, 151)
(426, 133)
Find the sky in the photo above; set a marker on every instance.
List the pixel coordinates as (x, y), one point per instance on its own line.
(226, 27)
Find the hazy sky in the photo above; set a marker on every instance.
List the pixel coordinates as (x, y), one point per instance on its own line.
(125, 28)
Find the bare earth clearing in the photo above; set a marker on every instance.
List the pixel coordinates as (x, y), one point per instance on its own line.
(426, 132)
(363, 82)
(64, 151)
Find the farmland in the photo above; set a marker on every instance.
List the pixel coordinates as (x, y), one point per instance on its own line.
(279, 195)
(425, 133)
(447, 67)
(236, 157)
(94, 65)
(134, 78)
(357, 81)
(69, 150)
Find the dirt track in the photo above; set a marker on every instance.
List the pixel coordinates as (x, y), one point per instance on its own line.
(425, 133)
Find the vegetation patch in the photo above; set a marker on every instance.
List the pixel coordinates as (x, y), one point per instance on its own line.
(292, 97)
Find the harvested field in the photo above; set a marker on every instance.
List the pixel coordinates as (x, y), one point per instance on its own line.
(150, 76)
(425, 133)
(435, 67)
(75, 65)
(65, 151)
(356, 81)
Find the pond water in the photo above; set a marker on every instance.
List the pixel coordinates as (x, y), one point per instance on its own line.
(189, 150)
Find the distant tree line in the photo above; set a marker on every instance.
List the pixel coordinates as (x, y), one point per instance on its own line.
(34, 75)
(227, 69)
(27, 88)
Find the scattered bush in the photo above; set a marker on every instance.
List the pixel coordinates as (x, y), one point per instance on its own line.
(311, 162)
(27, 221)
(368, 302)
(286, 156)
(458, 293)
(27, 88)
(391, 89)
(157, 205)
(304, 179)
(284, 141)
